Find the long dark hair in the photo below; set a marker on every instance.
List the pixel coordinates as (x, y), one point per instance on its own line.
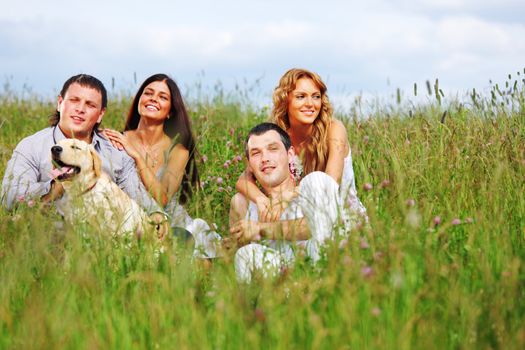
(177, 127)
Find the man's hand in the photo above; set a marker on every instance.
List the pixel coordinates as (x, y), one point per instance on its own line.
(246, 231)
(56, 191)
(268, 211)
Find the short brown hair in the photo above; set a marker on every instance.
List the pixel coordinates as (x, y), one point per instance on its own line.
(85, 80)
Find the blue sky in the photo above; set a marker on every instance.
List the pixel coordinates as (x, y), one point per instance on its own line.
(369, 47)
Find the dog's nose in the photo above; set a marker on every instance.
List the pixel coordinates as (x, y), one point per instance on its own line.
(56, 150)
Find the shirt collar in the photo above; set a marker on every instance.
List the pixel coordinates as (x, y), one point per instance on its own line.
(58, 135)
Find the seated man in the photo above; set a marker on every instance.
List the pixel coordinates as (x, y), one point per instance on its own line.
(81, 105)
(312, 214)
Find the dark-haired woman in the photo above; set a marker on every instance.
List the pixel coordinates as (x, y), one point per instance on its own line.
(158, 137)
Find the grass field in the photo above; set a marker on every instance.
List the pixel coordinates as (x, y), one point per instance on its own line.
(441, 265)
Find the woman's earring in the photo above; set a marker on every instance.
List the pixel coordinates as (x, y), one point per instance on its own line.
(168, 117)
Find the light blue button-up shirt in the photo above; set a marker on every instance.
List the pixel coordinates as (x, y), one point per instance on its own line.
(28, 171)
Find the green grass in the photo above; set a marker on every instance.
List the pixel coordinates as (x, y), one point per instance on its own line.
(403, 282)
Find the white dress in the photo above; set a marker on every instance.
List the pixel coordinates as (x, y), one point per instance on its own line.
(347, 189)
(207, 241)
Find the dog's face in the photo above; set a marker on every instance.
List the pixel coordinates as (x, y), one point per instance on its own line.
(74, 159)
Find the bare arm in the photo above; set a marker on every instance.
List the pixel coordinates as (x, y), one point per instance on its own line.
(162, 190)
(245, 231)
(288, 230)
(246, 186)
(172, 177)
(337, 150)
(169, 184)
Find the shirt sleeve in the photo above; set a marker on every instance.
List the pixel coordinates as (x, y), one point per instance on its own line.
(22, 178)
(130, 183)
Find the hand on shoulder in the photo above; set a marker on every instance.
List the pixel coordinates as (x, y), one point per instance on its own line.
(112, 136)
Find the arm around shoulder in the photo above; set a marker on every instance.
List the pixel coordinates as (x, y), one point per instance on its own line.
(288, 230)
(338, 149)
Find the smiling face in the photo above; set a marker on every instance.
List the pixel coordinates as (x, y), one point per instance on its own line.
(304, 103)
(155, 101)
(268, 159)
(80, 109)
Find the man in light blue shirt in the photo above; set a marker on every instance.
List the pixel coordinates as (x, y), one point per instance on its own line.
(80, 107)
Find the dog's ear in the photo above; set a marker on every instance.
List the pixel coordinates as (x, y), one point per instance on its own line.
(97, 163)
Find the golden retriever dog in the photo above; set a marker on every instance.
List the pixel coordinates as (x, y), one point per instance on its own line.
(92, 197)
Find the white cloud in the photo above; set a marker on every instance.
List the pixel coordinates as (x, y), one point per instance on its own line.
(356, 45)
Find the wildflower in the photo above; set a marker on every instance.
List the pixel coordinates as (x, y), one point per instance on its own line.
(436, 220)
(228, 144)
(343, 243)
(469, 220)
(30, 203)
(20, 199)
(204, 158)
(260, 315)
(219, 180)
(296, 168)
(231, 131)
(376, 311)
(203, 183)
(226, 164)
(139, 233)
(410, 202)
(237, 158)
(220, 189)
(407, 142)
(364, 244)
(367, 186)
(367, 271)
(385, 183)
(456, 221)
(229, 188)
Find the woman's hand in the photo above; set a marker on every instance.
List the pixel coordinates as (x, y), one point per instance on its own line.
(268, 211)
(120, 141)
(106, 133)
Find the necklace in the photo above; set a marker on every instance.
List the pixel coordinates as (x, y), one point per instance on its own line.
(151, 153)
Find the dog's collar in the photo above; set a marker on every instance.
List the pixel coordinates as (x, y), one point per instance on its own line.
(89, 188)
